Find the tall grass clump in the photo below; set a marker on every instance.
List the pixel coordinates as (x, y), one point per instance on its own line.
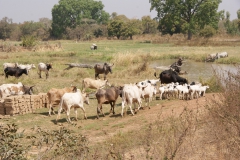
(224, 116)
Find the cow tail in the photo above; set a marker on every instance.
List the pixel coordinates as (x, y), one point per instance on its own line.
(155, 74)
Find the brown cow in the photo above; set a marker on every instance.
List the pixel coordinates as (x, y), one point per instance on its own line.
(108, 96)
(102, 69)
(55, 95)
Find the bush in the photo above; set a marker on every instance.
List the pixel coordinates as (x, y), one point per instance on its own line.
(28, 41)
(207, 32)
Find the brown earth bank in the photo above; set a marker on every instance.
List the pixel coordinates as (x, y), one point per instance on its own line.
(146, 116)
(98, 131)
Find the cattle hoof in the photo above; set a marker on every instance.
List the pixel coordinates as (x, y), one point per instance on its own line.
(113, 112)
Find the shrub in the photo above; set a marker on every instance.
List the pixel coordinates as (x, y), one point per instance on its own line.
(207, 32)
(28, 41)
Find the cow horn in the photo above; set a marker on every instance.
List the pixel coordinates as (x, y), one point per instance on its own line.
(112, 64)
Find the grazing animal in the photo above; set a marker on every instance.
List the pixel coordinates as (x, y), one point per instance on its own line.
(203, 90)
(169, 76)
(211, 57)
(131, 93)
(74, 100)
(102, 69)
(17, 72)
(14, 89)
(221, 55)
(148, 92)
(108, 96)
(45, 68)
(12, 65)
(94, 84)
(54, 96)
(27, 66)
(93, 46)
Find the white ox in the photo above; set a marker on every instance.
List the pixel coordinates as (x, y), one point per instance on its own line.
(12, 65)
(42, 67)
(74, 100)
(27, 66)
(14, 89)
(222, 55)
(54, 96)
(131, 93)
(94, 84)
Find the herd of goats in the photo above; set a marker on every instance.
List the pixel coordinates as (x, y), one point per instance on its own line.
(171, 86)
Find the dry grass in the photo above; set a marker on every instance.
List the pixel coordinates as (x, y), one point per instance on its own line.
(209, 133)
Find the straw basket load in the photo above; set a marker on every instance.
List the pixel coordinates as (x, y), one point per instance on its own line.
(23, 104)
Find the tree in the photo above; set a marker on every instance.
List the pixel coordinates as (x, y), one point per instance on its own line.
(131, 28)
(6, 28)
(232, 27)
(186, 15)
(115, 28)
(69, 14)
(148, 25)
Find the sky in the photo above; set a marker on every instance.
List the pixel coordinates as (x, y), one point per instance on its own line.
(32, 10)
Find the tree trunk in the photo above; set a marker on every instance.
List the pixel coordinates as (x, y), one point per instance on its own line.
(189, 35)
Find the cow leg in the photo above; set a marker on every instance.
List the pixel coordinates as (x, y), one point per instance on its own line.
(99, 110)
(68, 114)
(39, 73)
(104, 76)
(47, 75)
(50, 109)
(97, 76)
(59, 114)
(75, 110)
(123, 106)
(102, 111)
(85, 116)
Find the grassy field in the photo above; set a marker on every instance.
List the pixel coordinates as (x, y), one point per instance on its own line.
(129, 58)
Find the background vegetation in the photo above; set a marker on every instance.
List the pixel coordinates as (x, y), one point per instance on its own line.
(209, 132)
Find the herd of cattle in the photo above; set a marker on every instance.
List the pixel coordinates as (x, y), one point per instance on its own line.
(171, 85)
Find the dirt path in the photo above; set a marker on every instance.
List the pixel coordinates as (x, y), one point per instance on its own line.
(146, 116)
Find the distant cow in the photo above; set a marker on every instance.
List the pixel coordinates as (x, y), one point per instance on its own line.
(17, 72)
(94, 84)
(12, 65)
(45, 68)
(169, 76)
(108, 96)
(73, 100)
(27, 66)
(54, 96)
(102, 69)
(221, 55)
(93, 46)
(14, 89)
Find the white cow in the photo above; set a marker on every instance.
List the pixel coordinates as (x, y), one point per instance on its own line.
(222, 55)
(94, 84)
(45, 68)
(74, 100)
(27, 66)
(131, 93)
(12, 65)
(14, 89)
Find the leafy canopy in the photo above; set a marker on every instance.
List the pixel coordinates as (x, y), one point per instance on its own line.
(69, 13)
(177, 16)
